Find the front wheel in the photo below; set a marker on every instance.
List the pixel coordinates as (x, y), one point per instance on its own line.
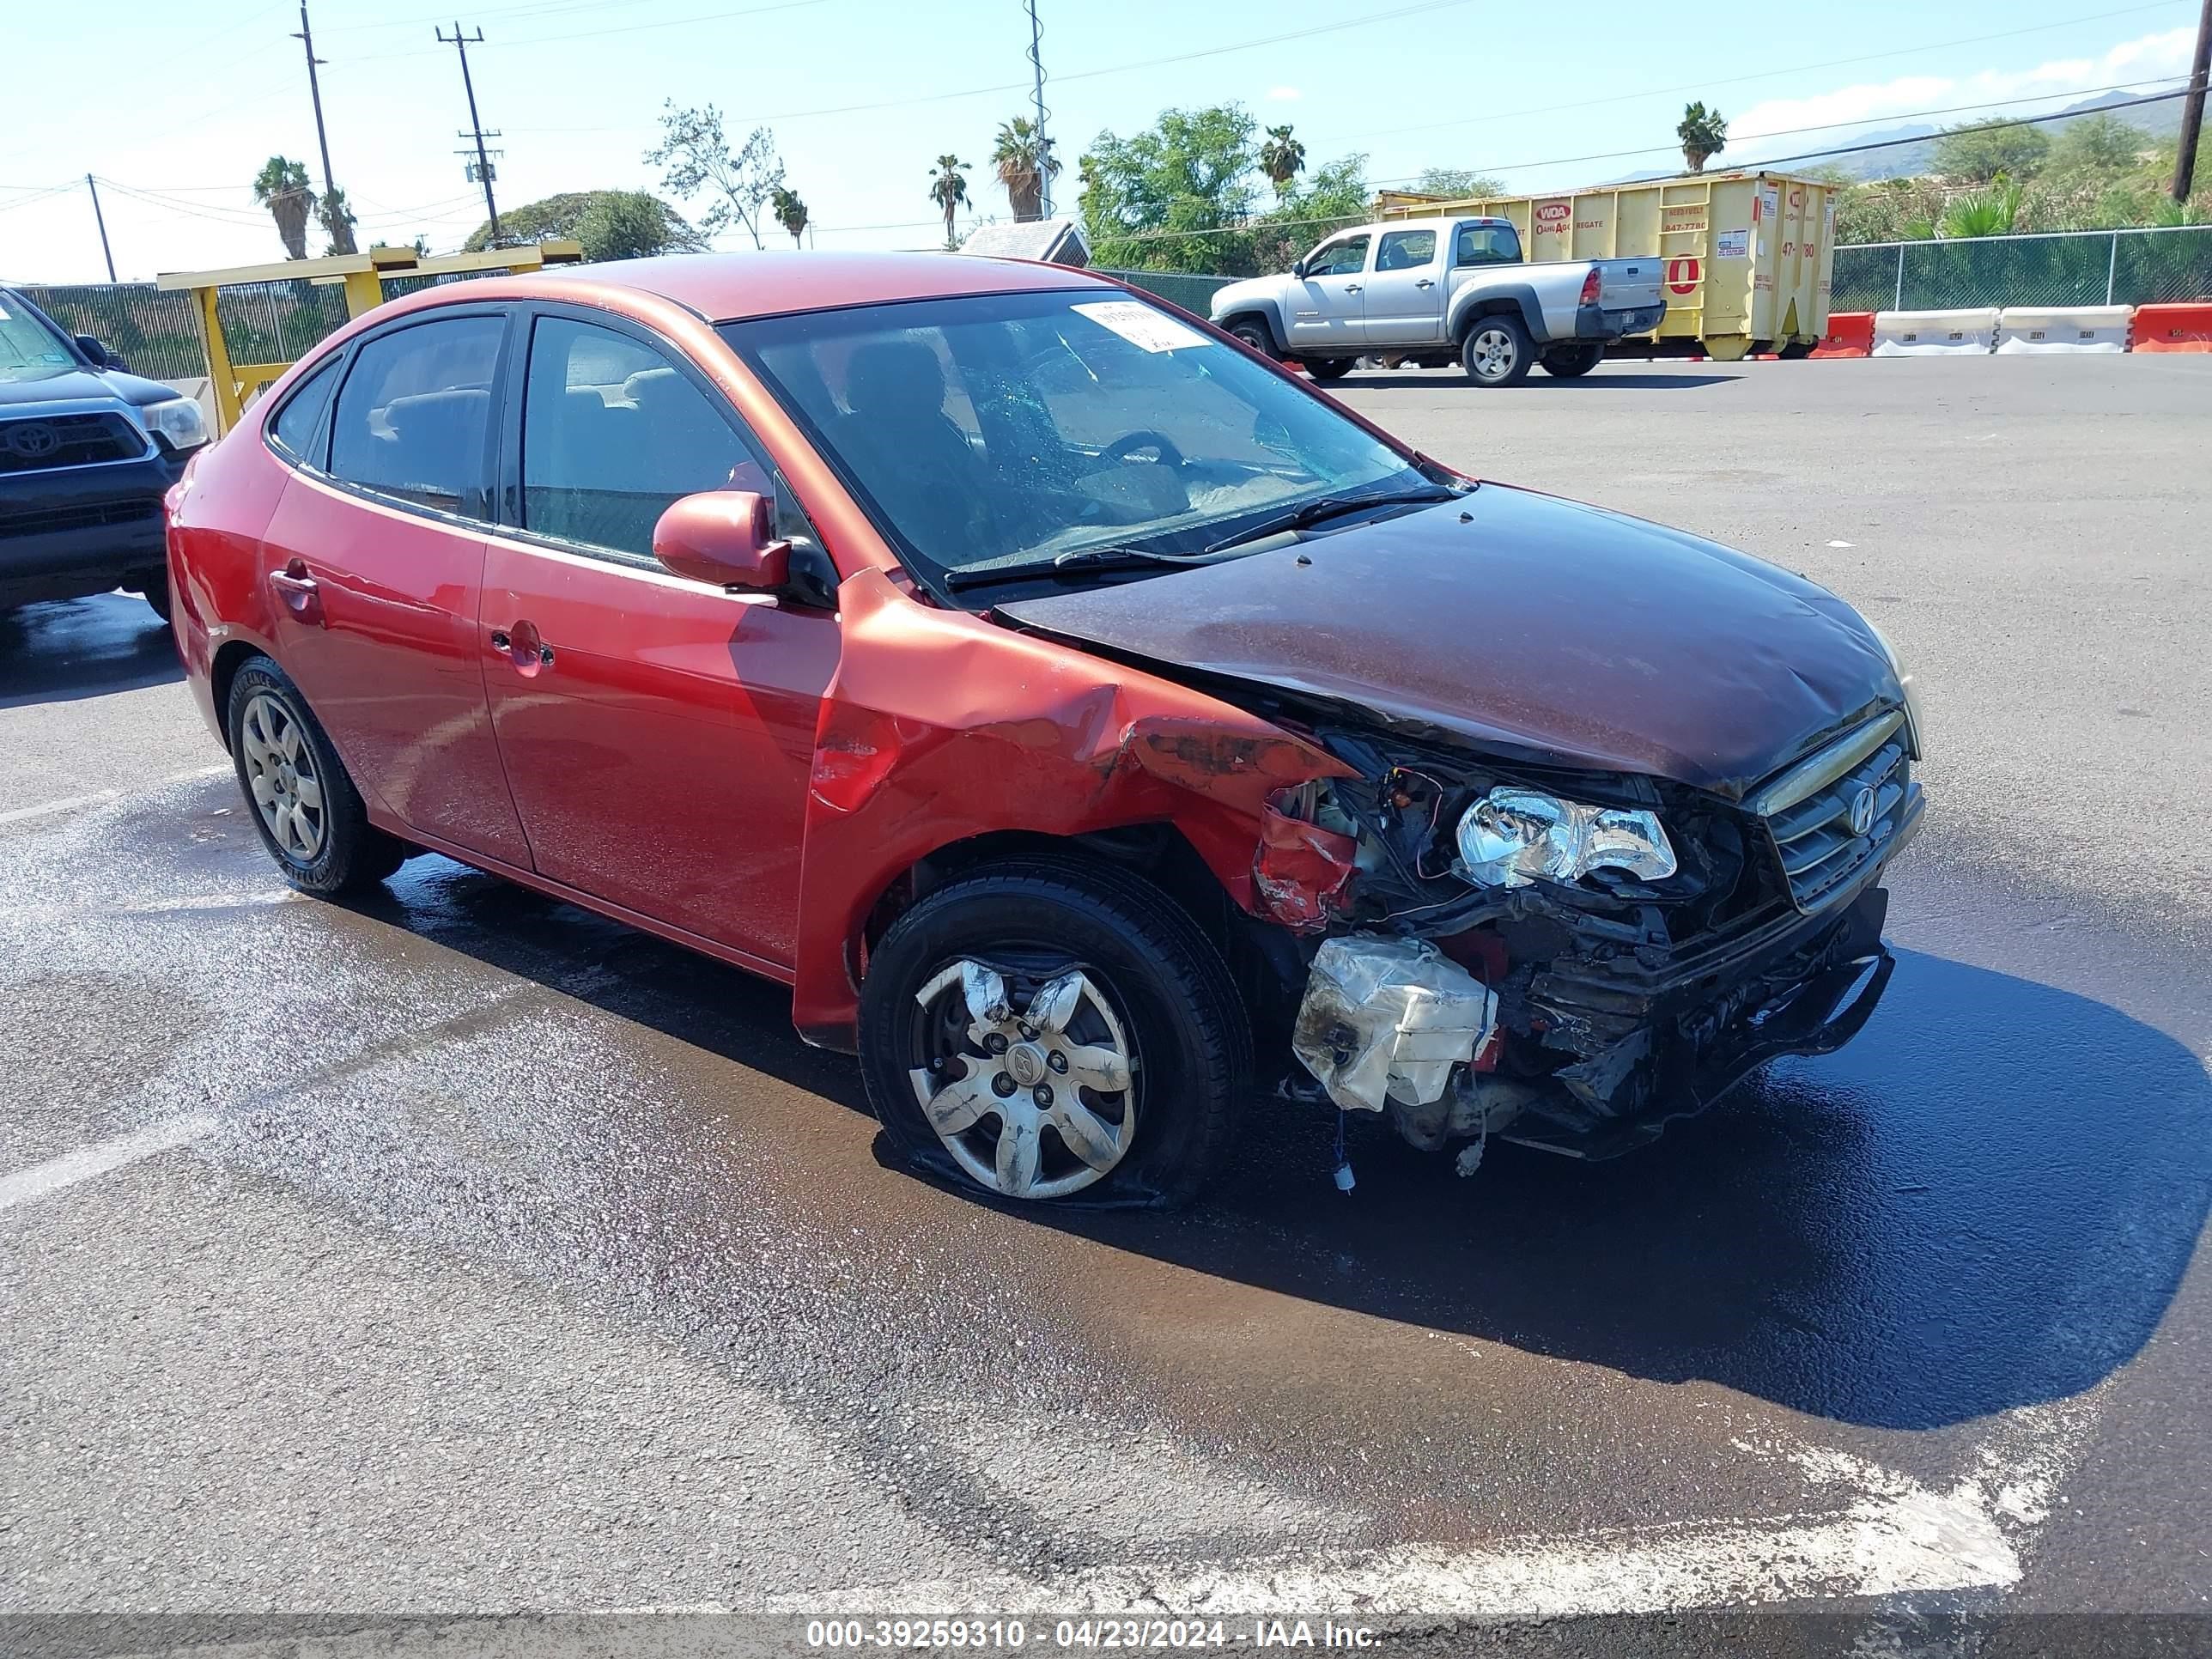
(309, 814)
(1255, 334)
(1496, 351)
(1569, 363)
(1043, 1028)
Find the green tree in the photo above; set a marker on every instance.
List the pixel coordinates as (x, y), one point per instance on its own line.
(1458, 183)
(790, 211)
(1980, 152)
(1704, 133)
(1175, 197)
(2099, 143)
(611, 224)
(281, 187)
(338, 221)
(1336, 197)
(948, 188)
(1282, 158)
(1024, 160)
(1991, 212)
(696, 156)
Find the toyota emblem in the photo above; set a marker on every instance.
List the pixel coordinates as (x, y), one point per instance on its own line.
(1862, 805)
(33, 440)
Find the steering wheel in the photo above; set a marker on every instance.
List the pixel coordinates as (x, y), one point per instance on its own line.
(1144, 438)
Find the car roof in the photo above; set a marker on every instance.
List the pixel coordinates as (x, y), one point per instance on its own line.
(730, 287)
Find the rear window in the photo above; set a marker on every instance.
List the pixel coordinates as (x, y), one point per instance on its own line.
(413, 418)
(1487, 244)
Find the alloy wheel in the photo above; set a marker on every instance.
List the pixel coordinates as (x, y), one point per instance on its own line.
(280, 770)
(1492, 354)
(1027, 1077)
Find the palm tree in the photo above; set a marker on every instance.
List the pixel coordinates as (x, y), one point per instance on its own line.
(948, 188)
(1025, 160)
(338, 222)
(1991, 212)
(790, 212)
(1704, 134)
(281, 187)
(1282, 158)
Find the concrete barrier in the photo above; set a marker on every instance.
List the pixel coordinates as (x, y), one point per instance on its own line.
(2173, 328)
(1936, 333)
(2062, 329)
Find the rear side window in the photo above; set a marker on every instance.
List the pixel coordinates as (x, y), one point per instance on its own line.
(1406, 249)
(612, 433)
(297, 431)
(413, 418)
(1487, 244)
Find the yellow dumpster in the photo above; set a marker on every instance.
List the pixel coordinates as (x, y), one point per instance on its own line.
(1748, 254)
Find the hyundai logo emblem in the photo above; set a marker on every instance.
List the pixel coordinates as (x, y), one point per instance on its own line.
(33, 440)
(1862, 805)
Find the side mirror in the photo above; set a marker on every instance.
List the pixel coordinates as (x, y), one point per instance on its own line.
(726, 536)
(1297, 268)
(94, 348)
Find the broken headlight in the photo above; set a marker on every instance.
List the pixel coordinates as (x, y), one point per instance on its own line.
(1513, 837)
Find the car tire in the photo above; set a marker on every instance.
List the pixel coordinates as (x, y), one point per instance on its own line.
(1329, 369)
(1151, 990)
(1496, 350)
(1569, 363)
(306, 807)
(1254, 333)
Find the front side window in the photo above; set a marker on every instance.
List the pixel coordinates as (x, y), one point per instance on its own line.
(414, 417)
(1487, 244)
(613, 433)
(1406, 249)
(1101, 422)
(1343, 258)
(297, 429)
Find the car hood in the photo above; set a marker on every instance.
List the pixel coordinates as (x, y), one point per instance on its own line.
(1532, 626)
(83, 385)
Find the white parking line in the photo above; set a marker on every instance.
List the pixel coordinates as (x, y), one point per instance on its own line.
(97, 1159)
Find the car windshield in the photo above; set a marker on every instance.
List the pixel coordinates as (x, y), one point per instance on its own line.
(1001, 429)
(29, 349)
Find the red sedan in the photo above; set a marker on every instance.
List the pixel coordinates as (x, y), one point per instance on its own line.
(1092, 724)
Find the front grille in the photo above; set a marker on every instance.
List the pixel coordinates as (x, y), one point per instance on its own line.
(1813, 835)
(77, 516)
(44, 442)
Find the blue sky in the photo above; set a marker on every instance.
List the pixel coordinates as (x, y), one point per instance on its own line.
(179, 106)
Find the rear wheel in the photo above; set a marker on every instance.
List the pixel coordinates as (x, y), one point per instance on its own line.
(1496, 350)
(1045, 1029)
(1569, 363)
(309, 814)
(1329, 369)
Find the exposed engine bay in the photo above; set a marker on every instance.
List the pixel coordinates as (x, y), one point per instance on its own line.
(1567, 958)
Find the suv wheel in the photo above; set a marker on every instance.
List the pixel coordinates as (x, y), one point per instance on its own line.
(1045, 1029)
(1496, 350)
(1569, 363)
(309, 814)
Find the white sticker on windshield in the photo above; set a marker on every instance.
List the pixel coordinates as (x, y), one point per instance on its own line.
(1141, 326)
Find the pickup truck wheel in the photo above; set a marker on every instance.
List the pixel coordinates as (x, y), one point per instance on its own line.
(1255, 334)
(1569, 362)
(1496, 350)
(309, 814)
(1329, 369)
(1042, 1029)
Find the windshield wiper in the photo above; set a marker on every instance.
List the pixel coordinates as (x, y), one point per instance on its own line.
(1075, 563)
(1328, 507)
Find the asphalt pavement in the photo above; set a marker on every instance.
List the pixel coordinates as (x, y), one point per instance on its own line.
(458, 1254)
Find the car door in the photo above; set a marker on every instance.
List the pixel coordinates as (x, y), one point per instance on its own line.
(374, 563)
(1329, 303)
(1405, 298)
(658, 731)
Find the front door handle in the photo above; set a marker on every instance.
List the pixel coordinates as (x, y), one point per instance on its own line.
(1426, 281)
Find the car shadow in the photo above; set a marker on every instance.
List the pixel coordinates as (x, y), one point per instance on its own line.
(57, 653)
(1986, 1202)
(1599, 379)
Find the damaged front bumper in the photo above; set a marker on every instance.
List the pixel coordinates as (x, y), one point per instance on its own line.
(1391, 1025)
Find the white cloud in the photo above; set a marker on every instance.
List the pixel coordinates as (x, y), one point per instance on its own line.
(2152, 57)
(1284, 95)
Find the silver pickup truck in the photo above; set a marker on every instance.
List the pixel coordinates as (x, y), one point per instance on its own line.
(1433, 291)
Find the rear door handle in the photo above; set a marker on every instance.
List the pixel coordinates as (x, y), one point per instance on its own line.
(297, 589)
(1351, 287)
(1427, 281)
(522, 646)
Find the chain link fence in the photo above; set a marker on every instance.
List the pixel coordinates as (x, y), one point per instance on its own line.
(2074, 268)
(1191, 293)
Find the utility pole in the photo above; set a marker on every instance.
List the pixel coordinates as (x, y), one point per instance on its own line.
(306, 38)
(100, 219)
(2192, 110)
(482, 169)
(1036, 63)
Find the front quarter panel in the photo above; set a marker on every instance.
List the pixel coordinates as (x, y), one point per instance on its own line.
(939, 727)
